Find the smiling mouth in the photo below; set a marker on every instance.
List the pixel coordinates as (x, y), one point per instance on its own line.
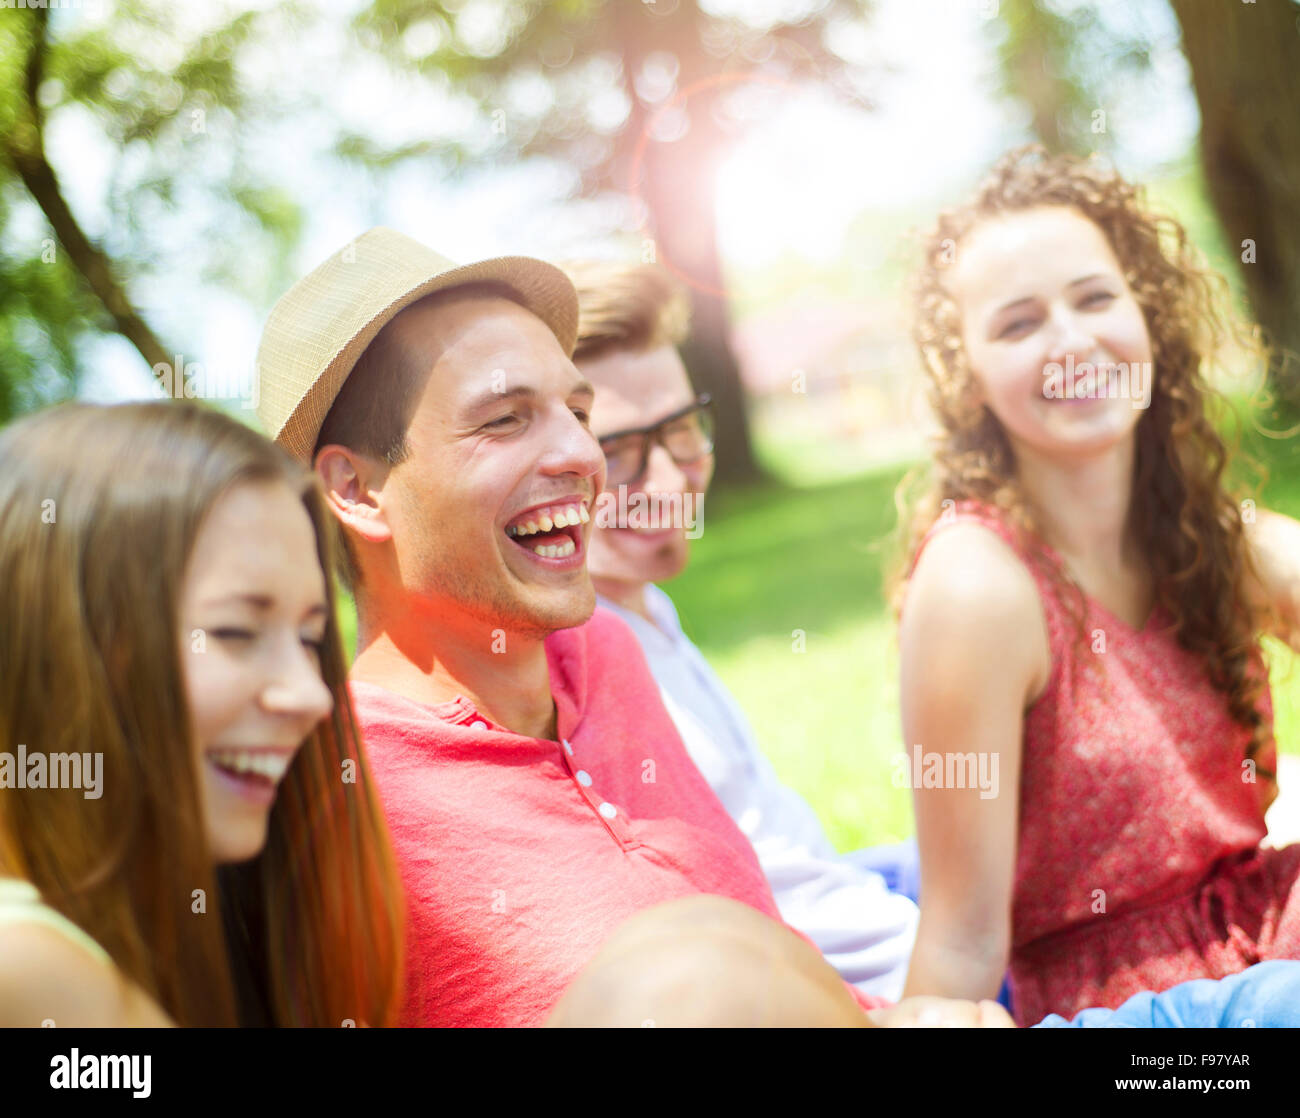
(553, 532)
(263, 766)
(1086, 390)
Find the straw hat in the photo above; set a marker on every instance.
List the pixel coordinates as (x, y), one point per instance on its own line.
(321, 325)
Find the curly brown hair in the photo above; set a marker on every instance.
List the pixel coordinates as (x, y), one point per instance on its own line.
(1188, 527)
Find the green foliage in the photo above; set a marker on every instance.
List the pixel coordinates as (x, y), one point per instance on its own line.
(1062, 59)
(178, 118)
(43, 310)
(580, 51)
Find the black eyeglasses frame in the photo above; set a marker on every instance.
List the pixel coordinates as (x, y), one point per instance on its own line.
(654, 434)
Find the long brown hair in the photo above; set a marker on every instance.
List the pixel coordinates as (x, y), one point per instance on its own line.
(1188, 527)
(99, 511)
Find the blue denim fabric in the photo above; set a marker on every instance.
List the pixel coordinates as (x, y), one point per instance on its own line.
(1265, 996)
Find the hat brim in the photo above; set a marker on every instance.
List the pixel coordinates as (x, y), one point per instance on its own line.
(539, 287)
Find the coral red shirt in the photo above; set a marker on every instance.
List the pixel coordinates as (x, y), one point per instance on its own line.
(520, 855)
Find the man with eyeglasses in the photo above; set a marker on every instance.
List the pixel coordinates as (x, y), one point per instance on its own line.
(687, 435)
(656, 433)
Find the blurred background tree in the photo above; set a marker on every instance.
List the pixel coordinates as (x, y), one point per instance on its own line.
(1064, 59)
(1246, 73)
(642, 97)
(155, 89)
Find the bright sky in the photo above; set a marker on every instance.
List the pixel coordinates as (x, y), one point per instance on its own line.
(794, 182)
(798, 183)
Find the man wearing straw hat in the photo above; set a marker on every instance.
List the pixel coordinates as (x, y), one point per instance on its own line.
(536, 789)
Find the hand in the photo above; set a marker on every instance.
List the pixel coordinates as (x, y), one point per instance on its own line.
(941, 1013)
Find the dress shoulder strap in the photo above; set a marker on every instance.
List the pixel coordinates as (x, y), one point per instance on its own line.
(1038, 558)
(977, 512)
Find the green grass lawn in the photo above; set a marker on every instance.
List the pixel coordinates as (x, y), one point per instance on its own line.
(784, 595)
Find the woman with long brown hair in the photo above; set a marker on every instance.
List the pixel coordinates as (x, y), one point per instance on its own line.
(188, 832)
(1083, 610)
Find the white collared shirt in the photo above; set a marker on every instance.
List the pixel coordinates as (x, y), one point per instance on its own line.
(865, 931)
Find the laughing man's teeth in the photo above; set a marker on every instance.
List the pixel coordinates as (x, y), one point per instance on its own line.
(557, 517)
(556, 551)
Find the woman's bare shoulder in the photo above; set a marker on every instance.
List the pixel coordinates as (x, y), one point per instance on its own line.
(971, 596)
(1274, 542)
(971, 566)
(47, 978)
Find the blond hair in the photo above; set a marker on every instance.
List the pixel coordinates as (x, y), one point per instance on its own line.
(626, 306)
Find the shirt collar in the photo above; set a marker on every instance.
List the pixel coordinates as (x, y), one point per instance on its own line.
(566, 657)
(664, 629)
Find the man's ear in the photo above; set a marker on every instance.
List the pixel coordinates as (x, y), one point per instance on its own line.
(354, 491)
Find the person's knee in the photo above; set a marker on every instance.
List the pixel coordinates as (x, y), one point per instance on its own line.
(706, 961)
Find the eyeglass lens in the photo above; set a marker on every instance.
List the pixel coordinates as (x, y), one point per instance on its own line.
(687, 439)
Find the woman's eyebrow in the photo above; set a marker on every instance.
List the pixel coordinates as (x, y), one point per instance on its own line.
(1073, 283)
(257, 601)
(262, 603)
(1014, 303)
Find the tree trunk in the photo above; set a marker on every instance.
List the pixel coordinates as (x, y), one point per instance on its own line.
(676, 180)
(1245, 61)
(679, 192)
(95, 267)
(1032, 64)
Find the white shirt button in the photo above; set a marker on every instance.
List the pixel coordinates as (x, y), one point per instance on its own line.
(567, 747)
(608, 810)
(583, 778)
(478, 725)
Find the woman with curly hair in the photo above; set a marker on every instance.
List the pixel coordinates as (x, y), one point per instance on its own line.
(217, 854)
(1082, 612)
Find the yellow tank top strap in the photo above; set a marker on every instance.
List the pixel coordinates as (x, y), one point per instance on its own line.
(20, 903)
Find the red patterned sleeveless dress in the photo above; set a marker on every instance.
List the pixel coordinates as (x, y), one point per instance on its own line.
(1138, 864)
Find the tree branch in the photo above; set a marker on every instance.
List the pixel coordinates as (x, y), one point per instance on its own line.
(25, 149)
